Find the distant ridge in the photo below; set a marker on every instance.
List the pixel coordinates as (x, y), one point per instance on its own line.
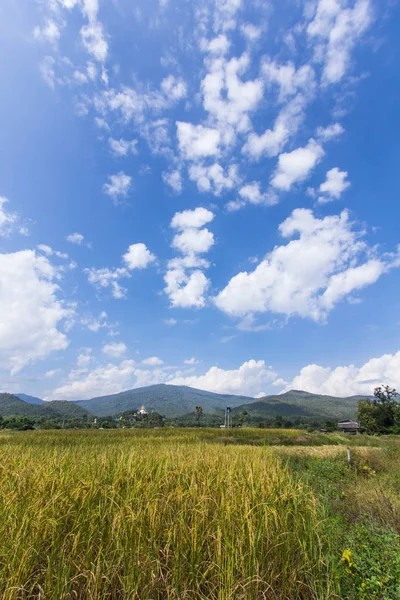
(12, 406)
(168, 400)
(173, 401)
(29, 399)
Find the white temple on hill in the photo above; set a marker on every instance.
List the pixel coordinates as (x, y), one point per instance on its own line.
(142, 410)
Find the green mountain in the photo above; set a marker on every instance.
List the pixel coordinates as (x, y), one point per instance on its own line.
(29, 399)
(297, 403)
(12, 406)
(176, 401)
(168, 400)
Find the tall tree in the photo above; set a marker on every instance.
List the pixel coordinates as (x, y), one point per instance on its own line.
(382, 414)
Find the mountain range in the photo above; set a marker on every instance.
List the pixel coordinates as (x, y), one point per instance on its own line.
(176, 401)
(13, 406)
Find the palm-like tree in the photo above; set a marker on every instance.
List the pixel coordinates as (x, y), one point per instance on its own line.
(199, 412)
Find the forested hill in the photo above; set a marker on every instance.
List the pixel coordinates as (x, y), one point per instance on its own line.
(11, 406)
(168, 400)
(172, 401)
(297, 403)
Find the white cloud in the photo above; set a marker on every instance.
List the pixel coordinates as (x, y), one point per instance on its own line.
(186, 287)
(48, 33)
(349, 380)
(108, 278)
(101, 381)
(325, 134)
(227, 98)
(50, 252)
(93, 38)
(114, 349)
(196, 141)
(118, 186)
(52, 373)
(7, 219)
(170, 322)
(95, 324)
(308, 275)
(286, 125)
(138, 257)
(47, 71)
(251, 32)
(337, 29)
(152, 361)
(247, 380)
(296, 166)
(212, 177)
(334, 185)
(289, 80)
(28, 299)
(191, 361)
(174, 180)
(193, 219)
(75, 238)
(122, 147)
(251, 193)
(193, 241)
(225, 14)
(219, 45)
(174, 88)
(186, 290)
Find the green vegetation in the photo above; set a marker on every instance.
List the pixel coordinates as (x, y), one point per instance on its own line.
(382, 414)
(178, 401)
(168, 400)
(198, 514)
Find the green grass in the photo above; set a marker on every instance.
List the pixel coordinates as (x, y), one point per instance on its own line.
(186, 514)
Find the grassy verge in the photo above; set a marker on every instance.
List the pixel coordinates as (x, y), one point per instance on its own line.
(363, 504)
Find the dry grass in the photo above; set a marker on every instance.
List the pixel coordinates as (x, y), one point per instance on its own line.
(124, 515)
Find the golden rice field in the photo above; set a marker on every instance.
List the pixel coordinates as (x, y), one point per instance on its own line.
(160, 515)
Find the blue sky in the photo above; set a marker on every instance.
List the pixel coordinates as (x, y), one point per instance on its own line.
(199, 193)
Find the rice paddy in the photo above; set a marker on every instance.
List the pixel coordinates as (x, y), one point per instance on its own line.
(164, 514)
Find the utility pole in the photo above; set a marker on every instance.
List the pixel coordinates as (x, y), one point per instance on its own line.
(228, 416)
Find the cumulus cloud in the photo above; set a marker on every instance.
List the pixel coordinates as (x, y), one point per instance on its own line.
(94, 40)
(196, 141)
(34, 313)
(296, 166)
(335, 29)
(308, 276)
(185, 283)
(251, 32)
(227, 98)
(48, 33)
(174, 180)
(174, 88)
(286, 125)
(325, 134)
(191, 361)
(350, 379)
(194, 219)
(334, 185)
(118, 186)
(122, 147)
(152, 361)
(138, 257)
(213, 177)
(75, 238)
(247, 380)
(7, 219)
(101, 381)
(108, 278)
(114, 349)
